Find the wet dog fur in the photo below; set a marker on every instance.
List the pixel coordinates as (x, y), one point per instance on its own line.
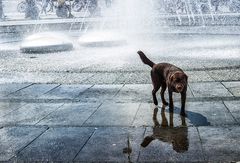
(166, 75)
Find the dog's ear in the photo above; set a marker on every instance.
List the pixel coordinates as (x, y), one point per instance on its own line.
(186, 77)
(171, 77)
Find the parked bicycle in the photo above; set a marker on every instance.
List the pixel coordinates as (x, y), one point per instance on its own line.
(22, 6)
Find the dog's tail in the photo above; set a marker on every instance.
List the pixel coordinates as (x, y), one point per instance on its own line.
(145, 59)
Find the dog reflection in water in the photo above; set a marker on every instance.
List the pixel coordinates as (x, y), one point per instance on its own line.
(166, 132)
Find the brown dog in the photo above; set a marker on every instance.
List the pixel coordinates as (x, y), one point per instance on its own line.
(166, 75)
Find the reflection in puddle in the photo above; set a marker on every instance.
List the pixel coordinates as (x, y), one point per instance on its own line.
(166, 132)
(128, 150)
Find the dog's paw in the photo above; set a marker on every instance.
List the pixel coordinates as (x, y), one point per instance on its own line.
(165, 103)
(183, 114)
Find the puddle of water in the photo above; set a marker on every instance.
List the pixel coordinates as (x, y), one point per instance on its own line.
(166, 132)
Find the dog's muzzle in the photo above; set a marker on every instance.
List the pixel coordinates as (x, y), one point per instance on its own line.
(179, 88)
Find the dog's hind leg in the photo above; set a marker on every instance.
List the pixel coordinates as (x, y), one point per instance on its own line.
(156, 85)
(164, 86)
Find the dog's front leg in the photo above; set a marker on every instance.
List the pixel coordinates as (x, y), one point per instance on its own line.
(183, 101)
(170, 92)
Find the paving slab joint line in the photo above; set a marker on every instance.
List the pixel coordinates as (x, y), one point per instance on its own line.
(15, 110)
(227, 89)
(49, 114)
(92, 114)
(21, 149)
(118, 90)
(139, 152)
(190, 89)
(136, 114)
(51, 89)
(20, 89)
(230, 112)
(80, 93)
(207, 72)
(201, 142)
(84, 144)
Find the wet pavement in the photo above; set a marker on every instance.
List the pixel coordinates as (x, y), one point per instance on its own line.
(50, 122)
(95, 104)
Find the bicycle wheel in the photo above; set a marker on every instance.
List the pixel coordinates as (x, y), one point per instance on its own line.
(50, 6)
(77, 6)
(22, 7)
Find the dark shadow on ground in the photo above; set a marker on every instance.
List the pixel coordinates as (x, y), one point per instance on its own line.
(196, 119)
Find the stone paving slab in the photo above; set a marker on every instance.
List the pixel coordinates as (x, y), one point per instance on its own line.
(107, 144)
(134, 78)
(134, 92)
(199, 76)
(99, 93)
(66, 92)
(209, 89)
(221, 144)
(29, 114)
(103, 78)
(73, 114)
(177, 144)
(72, 78)
(234, 106)
(209, 113)
(56, 144)
(142, 93)
(233, 87)
(33, 91)
(145, 116)
(113, 114)
(225, 75)
(7, 88)
(7, 107)
(13, 139)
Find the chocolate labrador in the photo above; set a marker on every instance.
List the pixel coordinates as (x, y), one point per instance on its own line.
(166, 75)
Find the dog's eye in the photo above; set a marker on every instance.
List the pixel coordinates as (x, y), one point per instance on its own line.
(178, 80)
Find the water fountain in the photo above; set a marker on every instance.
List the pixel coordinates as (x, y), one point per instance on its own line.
(125, 17)
(46, 42)
(43, 42)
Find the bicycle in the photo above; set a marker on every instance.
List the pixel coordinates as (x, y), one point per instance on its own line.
(22, 6)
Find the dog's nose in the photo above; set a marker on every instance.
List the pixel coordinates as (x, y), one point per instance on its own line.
(179, 88)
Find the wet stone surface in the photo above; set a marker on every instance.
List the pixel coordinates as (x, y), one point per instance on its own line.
(65, 92)
(173, 144)
(233, 107)
(56, 144)
(33, 91)
(29, 114)
(7, 107)
(6, 89)
(134, 93)
(108, 144)
(73, 114)
(99, 93)
(209, 89)
(13, 139)
(113, 114)
(209, 113)
(149, 115)
(117, 123)
(224, 141)
(233, 87)
(199, 76)
(225, 75)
